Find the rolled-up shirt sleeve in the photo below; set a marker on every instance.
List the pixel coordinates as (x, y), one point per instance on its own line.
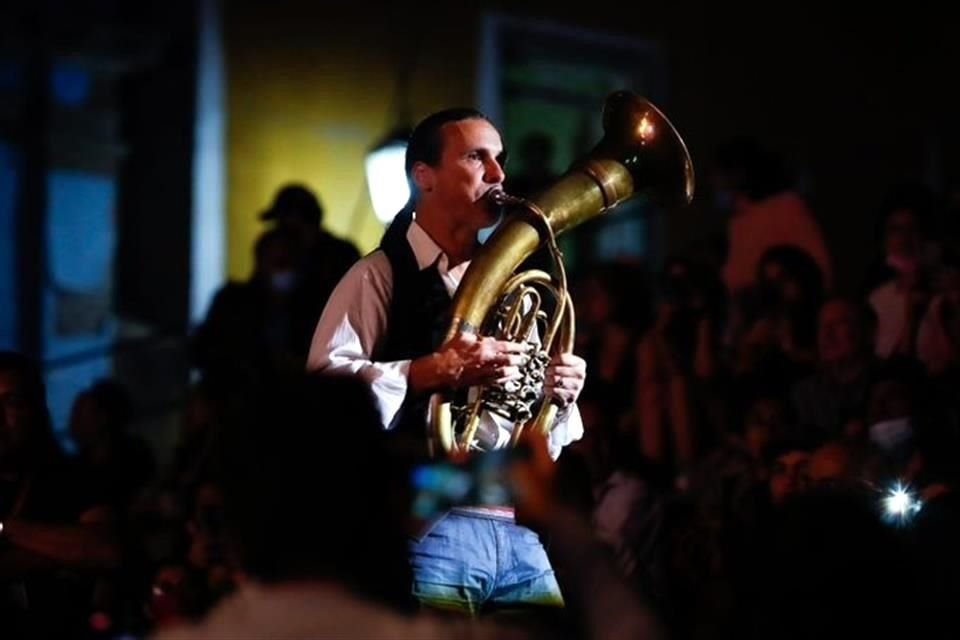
(353, 326)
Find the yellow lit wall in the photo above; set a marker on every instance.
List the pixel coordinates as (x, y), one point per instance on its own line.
(309, 91)
(310, 86)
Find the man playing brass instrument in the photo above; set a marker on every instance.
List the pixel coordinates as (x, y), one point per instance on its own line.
(387, 321)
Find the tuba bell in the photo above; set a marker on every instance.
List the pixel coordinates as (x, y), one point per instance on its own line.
(640, 154)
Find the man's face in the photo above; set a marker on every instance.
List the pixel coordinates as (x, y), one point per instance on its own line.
(469, 167)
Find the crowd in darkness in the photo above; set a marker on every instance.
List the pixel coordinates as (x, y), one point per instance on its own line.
(747, 428)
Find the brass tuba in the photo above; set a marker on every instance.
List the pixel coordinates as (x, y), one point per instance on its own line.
(640, 154)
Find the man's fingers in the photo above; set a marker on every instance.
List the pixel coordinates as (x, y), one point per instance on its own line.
(506, 346)
(564, 372)
(569, 359)
(492, 373)
(507, 374)
(513, 359)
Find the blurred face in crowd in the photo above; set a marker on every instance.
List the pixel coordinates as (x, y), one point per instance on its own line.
(839, 336)
(902, 234)
(276, 263)
(789, 475)
(303, 229)
(829, 465)
(763, 423)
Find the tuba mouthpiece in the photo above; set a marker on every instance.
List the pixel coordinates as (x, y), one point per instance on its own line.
(496, 199)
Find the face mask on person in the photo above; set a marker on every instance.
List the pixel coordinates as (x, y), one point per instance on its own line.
(891, 434)
(283, 281)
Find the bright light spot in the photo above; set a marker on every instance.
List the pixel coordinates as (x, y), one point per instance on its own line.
(900, 503)
(645, 129)
(387, 180)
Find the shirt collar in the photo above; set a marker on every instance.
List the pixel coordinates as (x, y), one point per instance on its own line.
(425, 250)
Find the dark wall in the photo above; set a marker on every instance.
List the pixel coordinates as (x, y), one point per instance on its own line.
(855, 102)
(154, 213)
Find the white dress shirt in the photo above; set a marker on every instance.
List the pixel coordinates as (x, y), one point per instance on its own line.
(354, 326)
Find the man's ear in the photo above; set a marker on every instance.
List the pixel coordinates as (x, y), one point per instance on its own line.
(424, 177)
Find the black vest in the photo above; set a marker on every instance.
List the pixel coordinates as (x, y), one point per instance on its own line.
(418, 318)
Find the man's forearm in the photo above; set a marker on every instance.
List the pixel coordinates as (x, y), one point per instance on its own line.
(433, 371)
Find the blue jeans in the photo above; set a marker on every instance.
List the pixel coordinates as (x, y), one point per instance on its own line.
(467, 562)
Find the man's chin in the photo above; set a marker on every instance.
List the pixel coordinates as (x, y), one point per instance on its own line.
(488, 219)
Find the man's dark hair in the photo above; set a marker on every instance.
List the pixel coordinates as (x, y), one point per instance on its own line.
(426, 141)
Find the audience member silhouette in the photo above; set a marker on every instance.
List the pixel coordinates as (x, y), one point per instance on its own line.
(753, 185)
(58, 536)
(322, 257)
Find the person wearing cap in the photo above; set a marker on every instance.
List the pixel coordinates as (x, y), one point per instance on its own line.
(324, 258)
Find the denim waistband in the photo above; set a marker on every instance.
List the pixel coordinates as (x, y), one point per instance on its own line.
(498, 513)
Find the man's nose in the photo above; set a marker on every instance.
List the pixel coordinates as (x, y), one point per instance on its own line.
(494, 172)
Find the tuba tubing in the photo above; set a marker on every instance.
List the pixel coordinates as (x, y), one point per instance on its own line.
(640, 153)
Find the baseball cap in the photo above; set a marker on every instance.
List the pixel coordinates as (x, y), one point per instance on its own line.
(294, 199)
